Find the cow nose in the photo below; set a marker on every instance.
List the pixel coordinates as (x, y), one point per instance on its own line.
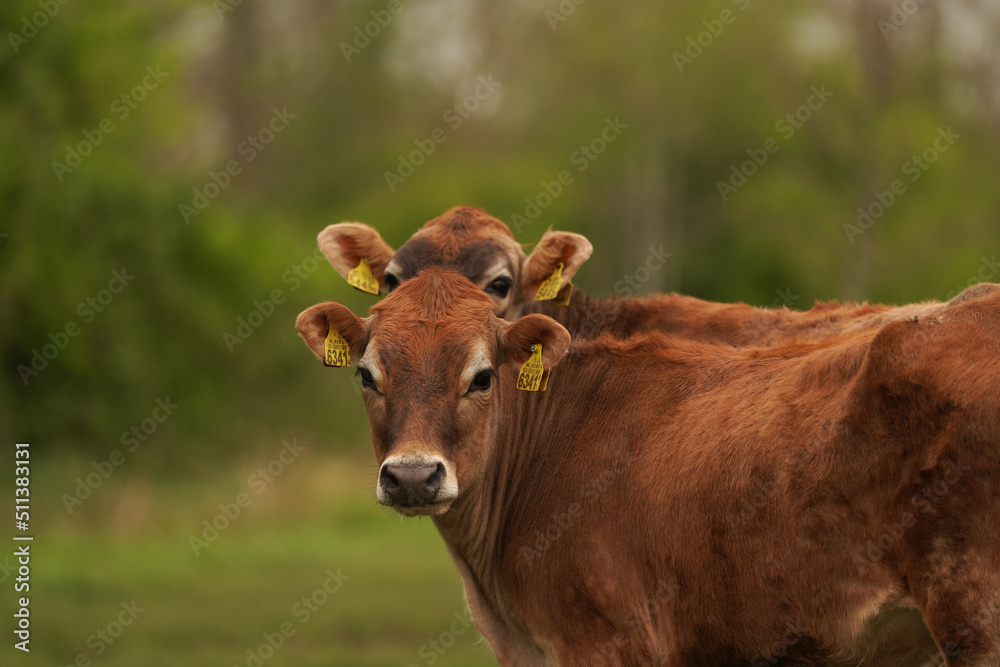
(411, 485)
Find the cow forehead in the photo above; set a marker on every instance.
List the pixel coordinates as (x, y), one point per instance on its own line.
(473, 260)
(467, 220)
(431, 365)
(436, 311)
(465, 239)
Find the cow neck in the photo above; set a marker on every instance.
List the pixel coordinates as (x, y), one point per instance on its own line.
(474, 529)
(586, 317)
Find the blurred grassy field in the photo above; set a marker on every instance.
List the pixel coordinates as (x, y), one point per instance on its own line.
(129, 541)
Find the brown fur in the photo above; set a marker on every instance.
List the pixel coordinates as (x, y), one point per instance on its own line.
(679, 503)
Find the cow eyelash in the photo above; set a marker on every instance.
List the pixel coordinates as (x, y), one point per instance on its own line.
(482, 381)
(366, 378)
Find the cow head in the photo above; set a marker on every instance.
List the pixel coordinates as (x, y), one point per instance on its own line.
(465, 240)
(435, 365)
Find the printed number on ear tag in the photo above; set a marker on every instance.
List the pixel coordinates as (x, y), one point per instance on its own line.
(532, 376)
(550, 286)
(360, 277)
(337, 353)
(562, 298)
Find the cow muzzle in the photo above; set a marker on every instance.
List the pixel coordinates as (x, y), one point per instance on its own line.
(415, 485)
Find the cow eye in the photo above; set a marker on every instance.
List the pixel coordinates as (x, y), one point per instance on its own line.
(391, 281)
(500, 286)
(482, 381)
(366, 378)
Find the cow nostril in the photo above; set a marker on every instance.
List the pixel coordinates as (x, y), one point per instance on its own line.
(389, 481)
(436, 477)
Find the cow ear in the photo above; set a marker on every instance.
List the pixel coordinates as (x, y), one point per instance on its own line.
(314, 326)
(517, 338)
(346, 243)
(566, 248)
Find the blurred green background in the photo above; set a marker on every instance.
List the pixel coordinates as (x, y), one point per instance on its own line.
(197, 148)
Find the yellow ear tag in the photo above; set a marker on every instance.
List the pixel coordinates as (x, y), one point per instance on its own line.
(337, 351)
(550, 286)
(360, 277)
(531, 375)
(562, 298)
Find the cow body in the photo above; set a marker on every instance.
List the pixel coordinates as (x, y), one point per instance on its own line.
(678, 503)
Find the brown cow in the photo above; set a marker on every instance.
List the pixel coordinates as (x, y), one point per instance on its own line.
(481, 248)
(670, 502)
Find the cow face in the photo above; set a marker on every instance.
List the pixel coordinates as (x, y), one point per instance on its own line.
(465, 240)
(432, 359)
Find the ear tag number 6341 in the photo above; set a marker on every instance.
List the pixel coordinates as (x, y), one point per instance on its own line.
(532, 376)
(336, 350)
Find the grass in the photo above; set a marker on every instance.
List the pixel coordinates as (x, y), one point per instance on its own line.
(398, 592)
